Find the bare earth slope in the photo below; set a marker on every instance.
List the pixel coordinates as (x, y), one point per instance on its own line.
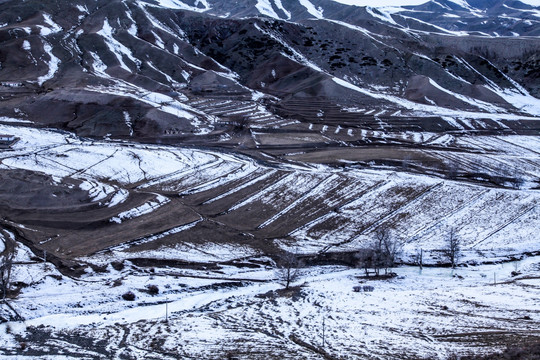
(188, 144)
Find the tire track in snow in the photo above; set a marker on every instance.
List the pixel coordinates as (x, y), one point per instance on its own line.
(328, 215)
(243, 186)
(262, 193)
(82, 171)
(179, 173)
(386, 217)
(517, 145)
(241, 168)
(404, 207)
(151, 238)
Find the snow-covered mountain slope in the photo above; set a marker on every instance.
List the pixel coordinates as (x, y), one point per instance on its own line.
(72, 197)
(187, 144)
(283, 82)
(479, 17)
(139, 69)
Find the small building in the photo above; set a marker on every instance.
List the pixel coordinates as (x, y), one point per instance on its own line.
(7, 138)
(11, 84)
(7, 141)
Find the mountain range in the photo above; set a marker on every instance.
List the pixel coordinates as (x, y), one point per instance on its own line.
(157, 70)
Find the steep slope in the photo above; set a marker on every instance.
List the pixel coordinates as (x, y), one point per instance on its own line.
(332, 88)
(128, 68)
(171, 151)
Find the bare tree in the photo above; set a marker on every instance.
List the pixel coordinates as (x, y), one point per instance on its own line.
(452, 170)
(380, 254)
(419, 258)
(6, 265)
(452, 251)
(239, 123)
(288, 272)
(364, 259)
(387, 248)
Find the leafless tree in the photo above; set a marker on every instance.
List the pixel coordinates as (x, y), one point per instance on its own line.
(364, 259)
(6, 265)
(452, 170)
(239, 123)
(381, 253)
(419, 258)
(288, 272)
(452, 251)
(387, 247)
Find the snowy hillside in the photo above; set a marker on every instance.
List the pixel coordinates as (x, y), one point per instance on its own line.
(164, 163)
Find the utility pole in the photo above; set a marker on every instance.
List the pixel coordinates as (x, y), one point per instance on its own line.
(167, 310)
(323, 328)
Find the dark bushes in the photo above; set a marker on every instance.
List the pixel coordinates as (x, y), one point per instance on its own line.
(129, 296)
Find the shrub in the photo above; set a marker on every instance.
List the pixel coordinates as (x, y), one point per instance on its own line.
(129, 296)
(117, 265)
(152, 289)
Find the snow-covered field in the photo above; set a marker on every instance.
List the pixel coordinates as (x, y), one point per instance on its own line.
(317, 207)
(222, 296)
(430, 313)
(384, 121)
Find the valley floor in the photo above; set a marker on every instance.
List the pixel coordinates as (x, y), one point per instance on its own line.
(244, 313)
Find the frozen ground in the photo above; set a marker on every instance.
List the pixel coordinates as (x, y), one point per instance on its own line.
(157, 196)
(422, 314)
(205, 227)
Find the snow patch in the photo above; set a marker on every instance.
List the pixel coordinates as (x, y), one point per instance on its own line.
(159, 43)
(82, 9)
(117, 48)
(176, 4)
(380, 14)
(282, 8)
(265, 8)
(474, 102)
(52, 64)
(144, 209)
(96, 191)
(133, 30)
(53, 27)
(524, 102)
(98, 65)
(316, 12)
(127, 120)
(118, 198)
(421, 109)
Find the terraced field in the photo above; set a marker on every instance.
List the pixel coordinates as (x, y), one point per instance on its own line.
(97, 196)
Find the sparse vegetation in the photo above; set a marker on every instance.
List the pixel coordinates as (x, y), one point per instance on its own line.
(129, 296)
(288, 271)
(381, 253)
(452, 251)
(152, 289)
(6, 266)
